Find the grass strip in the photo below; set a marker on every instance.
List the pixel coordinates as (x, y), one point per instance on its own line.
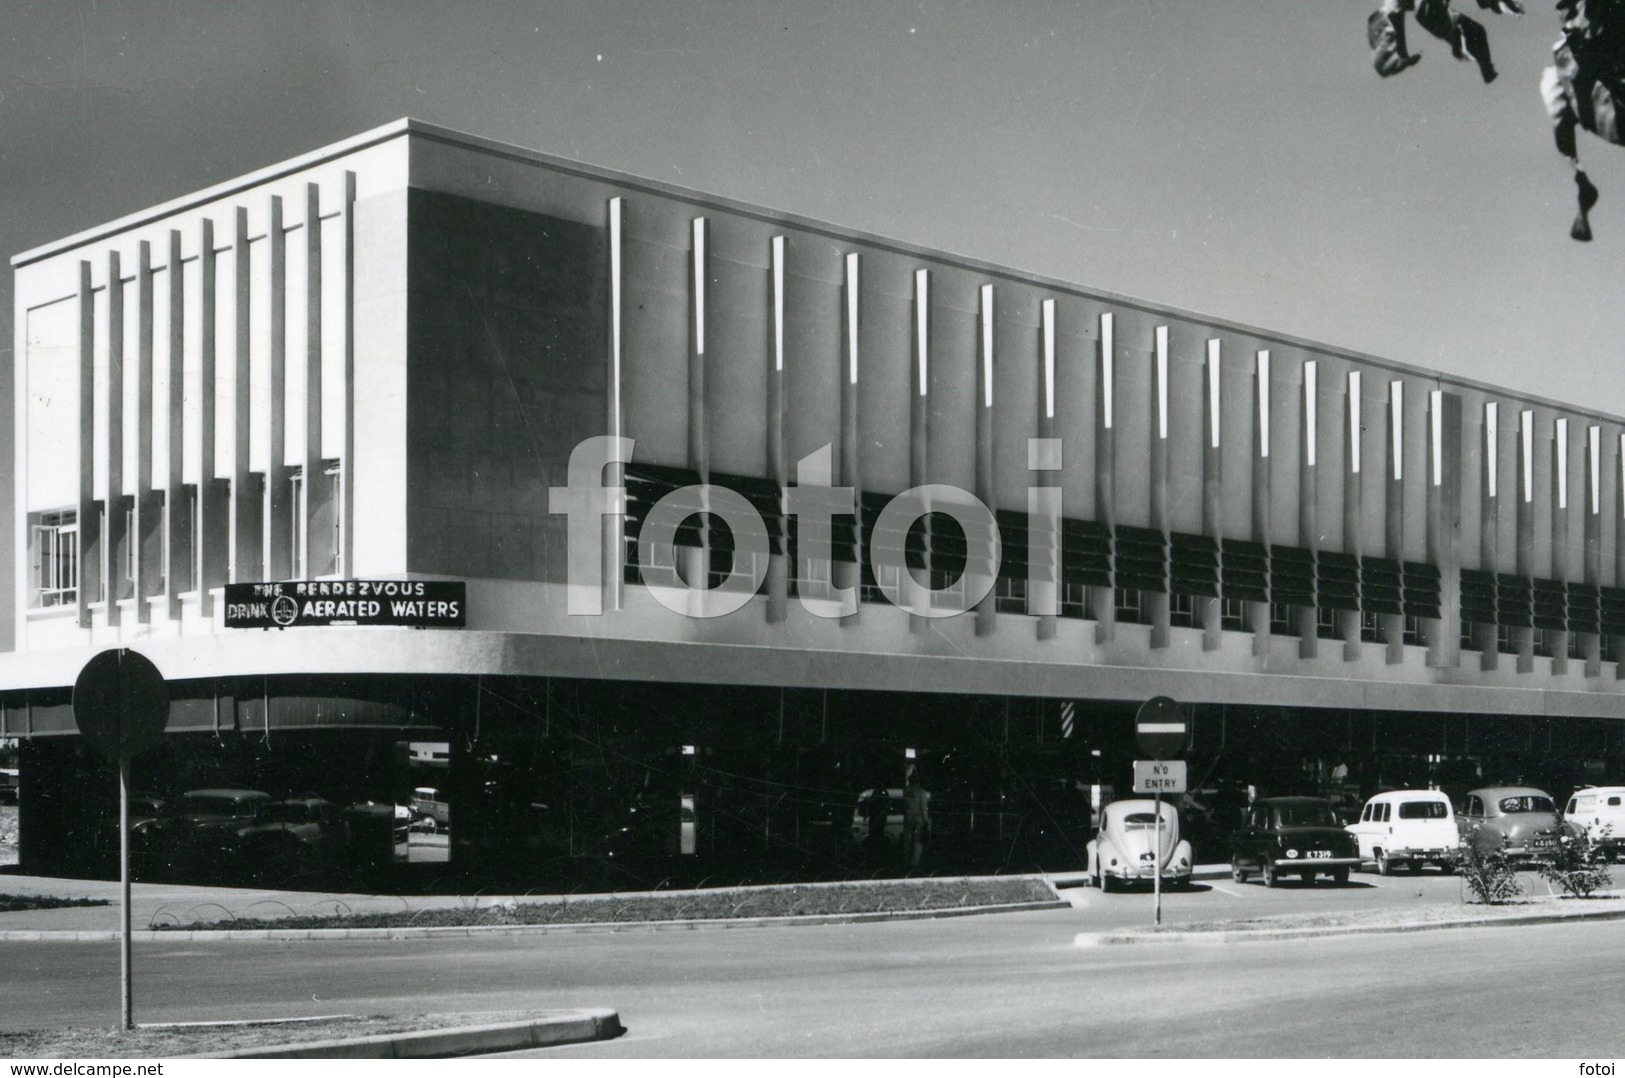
(19, 903)
(910, 896)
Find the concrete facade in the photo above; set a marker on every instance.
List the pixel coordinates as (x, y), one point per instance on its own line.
(375, 362)
(431, 351)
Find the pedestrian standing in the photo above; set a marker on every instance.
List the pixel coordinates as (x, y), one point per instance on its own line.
(916, 820)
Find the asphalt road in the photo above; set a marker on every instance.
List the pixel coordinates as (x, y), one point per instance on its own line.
(996, 985)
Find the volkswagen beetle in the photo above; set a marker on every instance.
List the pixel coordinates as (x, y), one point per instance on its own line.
(1124, 849)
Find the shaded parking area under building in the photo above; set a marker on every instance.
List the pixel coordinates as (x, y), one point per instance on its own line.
(554, 784)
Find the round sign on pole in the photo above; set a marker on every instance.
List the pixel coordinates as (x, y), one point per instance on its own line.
(121, 703)
(1161, 729)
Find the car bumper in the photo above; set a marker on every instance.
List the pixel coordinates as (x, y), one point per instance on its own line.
(1315, 862)
(1424, 855)
(1146, 874)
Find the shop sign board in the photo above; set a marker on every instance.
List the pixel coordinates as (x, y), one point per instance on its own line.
(295, 604)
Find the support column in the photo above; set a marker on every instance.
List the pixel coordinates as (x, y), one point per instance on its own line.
(1103, 601)
(612, 552)
(919, 416)
(247, 502)
(1348, 621)
(851, 470)
(1524, 635)
(1591, 570)
(213, 523)
(1444, 519)
(1153, 603)
(147, 535)
(90, 553)
(1044, 509)
(1619, 548)
(346, 558)
(1618, 645)
(1307, 617)
(696, 562)
(178, 558)
(1207, 607)
(1258, 614)
(115, 558)
(778, 565)
(987, 608)
(318, 547)
(1560, 536)
(1393, 625)
(1489, 531)
(279, 515)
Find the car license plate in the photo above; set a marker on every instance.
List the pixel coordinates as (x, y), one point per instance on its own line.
(1320, 853)
(1542, 842)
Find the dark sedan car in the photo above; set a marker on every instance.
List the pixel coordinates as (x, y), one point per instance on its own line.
(1297, 836)
(292, 838)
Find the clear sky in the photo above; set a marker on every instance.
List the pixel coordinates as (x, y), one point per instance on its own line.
(1238, 158)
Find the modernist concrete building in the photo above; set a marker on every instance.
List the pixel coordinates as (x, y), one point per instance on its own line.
(374, 362)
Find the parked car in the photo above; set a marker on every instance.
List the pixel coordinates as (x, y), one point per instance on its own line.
(1408, 827)
(292, 837)
(1124, 849)
(429, 809)
(211, 821)
(1293, 836)
(1520, 821)
(154, 833)
(1600, 812)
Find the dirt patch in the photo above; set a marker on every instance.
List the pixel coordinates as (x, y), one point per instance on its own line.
(171, 1041)
(908, 896)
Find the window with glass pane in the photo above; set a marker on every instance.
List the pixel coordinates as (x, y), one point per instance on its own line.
(56, 557)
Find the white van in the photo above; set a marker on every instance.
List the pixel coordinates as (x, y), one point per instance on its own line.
(1408, 827)
(1601, 811)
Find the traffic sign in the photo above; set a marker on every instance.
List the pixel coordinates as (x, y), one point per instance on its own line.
(121, 703)
(121, 706)
(1159, 776)
(1161, 729)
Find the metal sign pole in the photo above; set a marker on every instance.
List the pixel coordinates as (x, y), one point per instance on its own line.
(128, 1010)
(1156, 868)
(121, 706)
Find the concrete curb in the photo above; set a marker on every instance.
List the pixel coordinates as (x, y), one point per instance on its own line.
(457, 931)
(567, 1027)
(1249, 935)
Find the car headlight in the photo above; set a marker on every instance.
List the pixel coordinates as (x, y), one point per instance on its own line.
(1292, 853)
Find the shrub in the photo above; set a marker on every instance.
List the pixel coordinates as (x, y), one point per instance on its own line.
(1577, 865)
(1487, 872)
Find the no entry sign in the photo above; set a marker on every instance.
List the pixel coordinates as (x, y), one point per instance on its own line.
(1161, 729)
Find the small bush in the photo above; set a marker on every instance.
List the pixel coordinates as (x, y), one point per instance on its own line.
(1577, 865)
(1487, 872)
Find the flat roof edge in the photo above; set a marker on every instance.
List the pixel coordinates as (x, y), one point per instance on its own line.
(388, 131)
(660, 188)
